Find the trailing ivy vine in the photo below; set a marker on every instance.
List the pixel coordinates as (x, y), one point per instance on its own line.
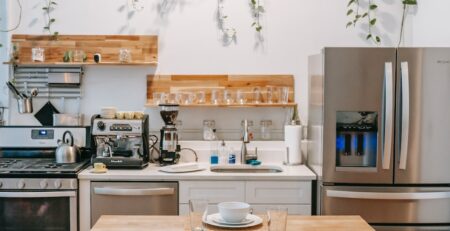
(228, 32)
(357, 13)
(48, 8)
(18, 21)
(257, 9)
(406, 5)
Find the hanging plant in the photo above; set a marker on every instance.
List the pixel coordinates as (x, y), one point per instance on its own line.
(18, 21)
(406, 5)
(48, 8)
(257, 9)
(357, 13)
(228, 33)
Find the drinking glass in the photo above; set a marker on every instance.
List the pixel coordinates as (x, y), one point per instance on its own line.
(228, 97)
(215, 96)
(270, 94)
(198, 210)
(284, 95)
(266, 129)
(240, 97)
(172, 98)
(277, 218)
(78, 56)
(256, 95)
(201, 99)
(159, 98)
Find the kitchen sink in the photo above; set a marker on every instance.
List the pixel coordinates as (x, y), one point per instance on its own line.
(246, 169)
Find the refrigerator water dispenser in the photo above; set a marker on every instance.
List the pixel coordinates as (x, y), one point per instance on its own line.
(356, 139)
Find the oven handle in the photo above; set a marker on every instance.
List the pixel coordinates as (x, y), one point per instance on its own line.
(388, 195)
(134, 192)
(37, 194)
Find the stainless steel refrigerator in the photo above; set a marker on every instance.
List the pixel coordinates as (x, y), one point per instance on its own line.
(379, 135)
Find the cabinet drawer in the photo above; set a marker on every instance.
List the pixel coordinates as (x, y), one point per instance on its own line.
(293, 209)
(213, 191)
(274, 192)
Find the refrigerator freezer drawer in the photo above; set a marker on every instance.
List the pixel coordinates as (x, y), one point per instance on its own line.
(389, 205)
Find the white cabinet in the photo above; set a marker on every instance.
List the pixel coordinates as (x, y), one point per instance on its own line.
(213, 191)
(294, 195)
(274, 192)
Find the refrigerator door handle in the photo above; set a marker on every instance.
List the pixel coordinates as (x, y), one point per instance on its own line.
(404, 69)
(388, 195)
(388, 115)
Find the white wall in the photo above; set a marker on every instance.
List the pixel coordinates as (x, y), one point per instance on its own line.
(189, 44)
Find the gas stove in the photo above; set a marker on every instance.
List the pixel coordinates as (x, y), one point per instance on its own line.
(30, 166)
(29, 152)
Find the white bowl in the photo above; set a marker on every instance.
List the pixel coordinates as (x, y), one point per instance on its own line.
(233, 212)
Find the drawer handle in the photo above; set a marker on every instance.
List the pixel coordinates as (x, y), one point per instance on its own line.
(388, 196)
(134, 192)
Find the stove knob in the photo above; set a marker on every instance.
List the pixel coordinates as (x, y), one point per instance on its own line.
(21, 184)
(57, 184)
(101, 125)
(43, 184)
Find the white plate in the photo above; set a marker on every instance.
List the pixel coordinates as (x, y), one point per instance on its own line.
(180, 168)
(210, 220)
(220, 220)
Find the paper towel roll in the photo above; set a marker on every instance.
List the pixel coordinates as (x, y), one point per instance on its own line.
(292, 139)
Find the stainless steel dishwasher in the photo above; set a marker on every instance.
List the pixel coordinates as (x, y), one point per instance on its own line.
(133, 198)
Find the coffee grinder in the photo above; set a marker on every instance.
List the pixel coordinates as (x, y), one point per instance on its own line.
(169, 146)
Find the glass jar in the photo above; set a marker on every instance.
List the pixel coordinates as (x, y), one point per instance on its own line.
(250, 129)
(209, 130)
(266, 129)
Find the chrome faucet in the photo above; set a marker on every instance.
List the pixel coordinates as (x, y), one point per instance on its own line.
(245, 156)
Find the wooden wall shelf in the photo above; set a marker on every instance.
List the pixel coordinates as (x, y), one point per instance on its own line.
(247, 105)
(143, 48)
(172, 84)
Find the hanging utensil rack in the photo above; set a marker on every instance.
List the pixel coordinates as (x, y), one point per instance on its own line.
(27, 78)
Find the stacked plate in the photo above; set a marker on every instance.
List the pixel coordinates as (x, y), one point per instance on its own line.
(217, 220)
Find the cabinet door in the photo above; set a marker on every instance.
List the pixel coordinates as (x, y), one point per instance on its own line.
(278, 192)
(213, 191)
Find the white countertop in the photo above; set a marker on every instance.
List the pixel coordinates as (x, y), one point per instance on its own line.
(300, 172)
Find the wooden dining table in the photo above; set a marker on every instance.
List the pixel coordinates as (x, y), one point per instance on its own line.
(181, 223)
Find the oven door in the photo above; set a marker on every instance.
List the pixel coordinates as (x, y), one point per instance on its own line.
(38, 210)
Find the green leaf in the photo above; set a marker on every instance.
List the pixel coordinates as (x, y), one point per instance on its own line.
(52, 20)
(46, 28)
(373, 21)
(348, 24)
(45, 8)
(350, 2)
(253, 24)
(225, 16)
(378, 39)
(365, 15)
(369, 36)
(410, 2)
(54, 3)
(253, 2)
(358, 16)
(258, 28)
(373, 7)
(349, 12)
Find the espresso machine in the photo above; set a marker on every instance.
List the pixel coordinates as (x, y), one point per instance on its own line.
(120, 143)
(169, 147)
